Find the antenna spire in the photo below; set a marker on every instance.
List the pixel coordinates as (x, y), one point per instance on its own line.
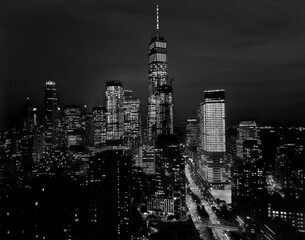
(157, 10)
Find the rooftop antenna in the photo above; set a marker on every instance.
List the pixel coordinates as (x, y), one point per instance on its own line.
(157, 10)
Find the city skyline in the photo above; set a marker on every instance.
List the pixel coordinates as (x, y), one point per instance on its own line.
(253, 51)
(93, 156)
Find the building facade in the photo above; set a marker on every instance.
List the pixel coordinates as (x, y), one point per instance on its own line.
(160, 102)
(212, 138)
(72, 125)
(99, 122)
(247, 130)
(52, 115)
(132, 120)
(115, 113)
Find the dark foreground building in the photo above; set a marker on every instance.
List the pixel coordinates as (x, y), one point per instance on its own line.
(57, 206)
(176, 231)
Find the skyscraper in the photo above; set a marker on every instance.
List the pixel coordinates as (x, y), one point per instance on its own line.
(164, 110)
(191, 138)
(212, 138)
(191, 133)
(72, 125)
(246, 130)
(212, 121)
(51, 114)
(145, 158)
(160, 102)
(132, 120)
(115, 112)
(99, 121)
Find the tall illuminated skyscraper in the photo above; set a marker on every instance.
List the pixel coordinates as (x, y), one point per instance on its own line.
(212, 137)
(160, 102)
(51, 114)
(164, 110)
(99, 121)
(115, 113)
(191, 133)
(72, 125)
(132, 120)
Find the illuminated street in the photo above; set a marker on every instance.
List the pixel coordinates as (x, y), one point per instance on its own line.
(202, 230)
(213, 219)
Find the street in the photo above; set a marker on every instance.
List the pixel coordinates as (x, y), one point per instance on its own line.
(214, 222)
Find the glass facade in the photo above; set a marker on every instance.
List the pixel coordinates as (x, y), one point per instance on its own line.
(160, 102)
(115, 113)
(212, 137)
(213, 121)
(164, 123)
(191, 133)
(132, 120)
(99, 121)
(72, 125)
(214, 127)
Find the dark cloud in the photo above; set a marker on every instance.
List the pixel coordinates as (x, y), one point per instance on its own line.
(253, 49)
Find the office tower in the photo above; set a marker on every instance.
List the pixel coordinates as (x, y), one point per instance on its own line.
(191, 137)
(115, 113)
(160, 103)
(99, 121)
(212, 121)
(51, 115)
(212, 139)
(132, 120)
(72, 125)
(145, 158)
(191, 133)
(246, 130)
(164, 123)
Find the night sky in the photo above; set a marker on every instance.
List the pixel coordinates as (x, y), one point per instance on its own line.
(255, 50)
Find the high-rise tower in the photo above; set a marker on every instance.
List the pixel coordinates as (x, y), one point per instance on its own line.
(51, 114)
(99, 121)
(115, 113)
(212, 137)
(160, 103)
(72, 125)
(132, 120)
